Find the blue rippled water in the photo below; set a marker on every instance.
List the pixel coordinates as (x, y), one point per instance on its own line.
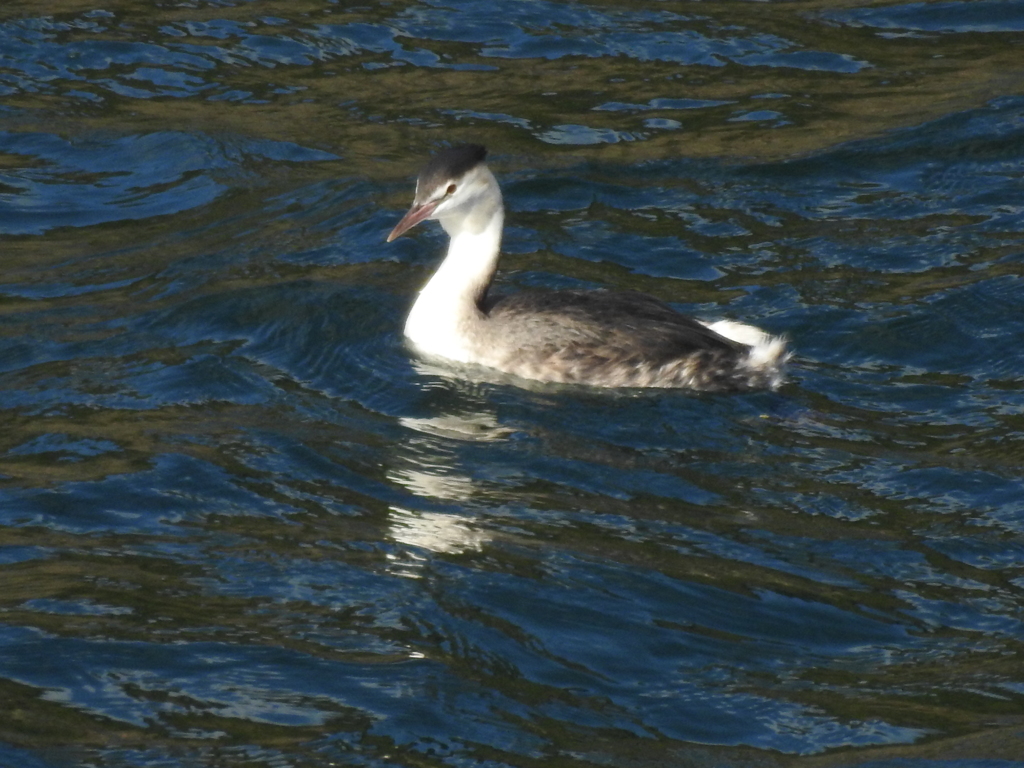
(240, 524)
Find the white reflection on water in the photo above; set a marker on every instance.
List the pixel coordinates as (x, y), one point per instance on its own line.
(429, 472)
(437, 531)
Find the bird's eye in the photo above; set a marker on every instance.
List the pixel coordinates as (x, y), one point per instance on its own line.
(451, 189)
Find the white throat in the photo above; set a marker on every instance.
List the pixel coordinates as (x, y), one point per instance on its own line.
(443, 318)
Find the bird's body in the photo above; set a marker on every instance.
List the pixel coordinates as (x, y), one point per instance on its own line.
(599, 338)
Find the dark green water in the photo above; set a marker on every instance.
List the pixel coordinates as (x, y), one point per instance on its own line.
(241, 526)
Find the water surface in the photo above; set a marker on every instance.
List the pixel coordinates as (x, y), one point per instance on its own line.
(241, 525)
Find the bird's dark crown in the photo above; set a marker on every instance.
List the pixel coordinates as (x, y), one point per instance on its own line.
(448, 164)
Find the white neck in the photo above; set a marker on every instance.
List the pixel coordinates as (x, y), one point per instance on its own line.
(442, 319)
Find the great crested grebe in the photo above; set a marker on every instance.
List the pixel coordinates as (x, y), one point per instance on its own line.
(598, 338)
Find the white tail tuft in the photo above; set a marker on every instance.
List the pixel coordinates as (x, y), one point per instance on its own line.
(768, 354)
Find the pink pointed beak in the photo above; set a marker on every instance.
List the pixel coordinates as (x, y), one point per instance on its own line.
(413, 216)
